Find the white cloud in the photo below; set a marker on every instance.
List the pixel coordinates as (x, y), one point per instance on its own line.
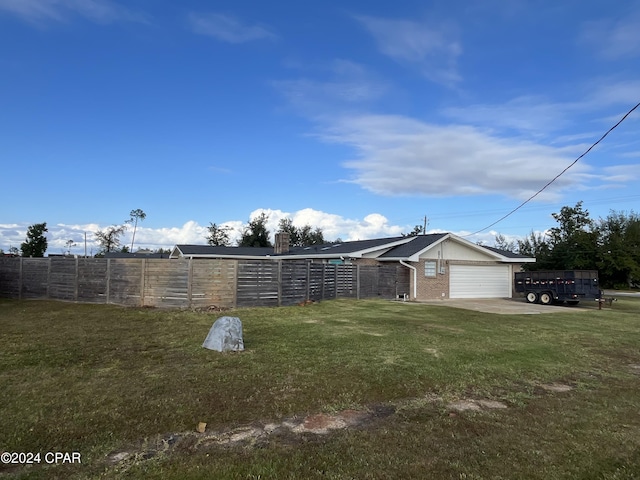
(530, 114)
(536, 115)
(333, 226)
(433, 48)
(511, 149)
(190, 232)
(403, 156)
(608, 92)
(32, 9)
(614, 39)
(99, 11)
(227, 28)
(346, 85)
(621, 174)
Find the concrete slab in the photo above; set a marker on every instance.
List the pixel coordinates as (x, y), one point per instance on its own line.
(508, 306)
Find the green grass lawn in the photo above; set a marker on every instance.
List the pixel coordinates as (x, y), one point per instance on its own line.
(99, 379)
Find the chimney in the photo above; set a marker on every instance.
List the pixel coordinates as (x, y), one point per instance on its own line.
(282, 243)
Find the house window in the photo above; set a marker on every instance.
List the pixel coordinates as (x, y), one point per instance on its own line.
(430, 268)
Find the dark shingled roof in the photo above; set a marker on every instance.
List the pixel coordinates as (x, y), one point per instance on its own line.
(505, 253)
(343, 248)
(414, 246)
(135, 255)
(225, 251)
(326, 249)
(400, 248)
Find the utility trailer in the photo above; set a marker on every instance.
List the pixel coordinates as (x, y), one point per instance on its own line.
(557, 286)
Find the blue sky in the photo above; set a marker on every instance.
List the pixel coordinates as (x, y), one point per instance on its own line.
(360, 117)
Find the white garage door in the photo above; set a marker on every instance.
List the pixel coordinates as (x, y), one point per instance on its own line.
(479, 281)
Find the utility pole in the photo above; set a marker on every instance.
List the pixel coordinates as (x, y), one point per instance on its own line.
(424, 228)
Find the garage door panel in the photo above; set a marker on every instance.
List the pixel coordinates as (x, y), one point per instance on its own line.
(479, 281)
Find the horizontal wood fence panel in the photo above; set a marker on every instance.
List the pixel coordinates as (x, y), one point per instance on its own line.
(317, 284)
(62, 278)
(403, 281)
(199, 283)
(257, 283)
(294, 279)
(346, 281)
(35, 274)
(92, 280)
(213, 283)
(124, 287)
(10, 277)
(166, 283)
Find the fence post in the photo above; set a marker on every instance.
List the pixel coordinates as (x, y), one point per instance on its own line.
(143, 272)
(75, 287)
(236, 270)
(336, 280)
(108, 280)
(322, 289)
(190, 283)
(358, 281)
(21, 279)
(308, 295)
(279, 263)
(49, 277)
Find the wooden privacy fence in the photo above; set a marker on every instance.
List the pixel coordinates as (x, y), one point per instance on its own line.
(183, 283)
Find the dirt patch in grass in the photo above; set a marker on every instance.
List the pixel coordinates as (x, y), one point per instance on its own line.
(476, 405)
(294, 430)
(289, 431)
(556, 387)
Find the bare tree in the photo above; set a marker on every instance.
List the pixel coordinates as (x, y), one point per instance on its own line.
(502, 243)
(69, 244)
(109, 238)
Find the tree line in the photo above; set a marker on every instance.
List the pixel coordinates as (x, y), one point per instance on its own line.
(108, 239)
(256, 234)
(610, 245)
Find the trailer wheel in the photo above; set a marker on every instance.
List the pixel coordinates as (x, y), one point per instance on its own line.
(546, 298)
(532, 297)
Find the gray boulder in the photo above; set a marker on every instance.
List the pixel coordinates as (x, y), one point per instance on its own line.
(225, 335)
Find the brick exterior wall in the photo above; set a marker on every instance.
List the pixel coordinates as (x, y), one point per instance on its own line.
(431, 288)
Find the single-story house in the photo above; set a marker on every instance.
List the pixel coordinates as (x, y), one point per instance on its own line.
(441, 265)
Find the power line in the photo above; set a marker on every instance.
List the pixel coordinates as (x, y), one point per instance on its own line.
(476, 213)
(559, 175)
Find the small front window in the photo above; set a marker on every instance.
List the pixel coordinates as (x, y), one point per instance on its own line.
(429, 269)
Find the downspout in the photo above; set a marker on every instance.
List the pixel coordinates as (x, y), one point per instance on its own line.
(415, 278)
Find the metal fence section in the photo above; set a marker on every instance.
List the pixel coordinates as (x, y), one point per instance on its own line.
(182, 283)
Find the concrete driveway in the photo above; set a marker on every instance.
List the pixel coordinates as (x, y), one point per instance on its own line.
(508, 306)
